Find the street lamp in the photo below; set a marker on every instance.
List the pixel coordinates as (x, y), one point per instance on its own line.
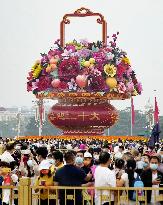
(40, 114)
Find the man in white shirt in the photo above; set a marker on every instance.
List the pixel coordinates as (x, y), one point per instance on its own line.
(104, 177)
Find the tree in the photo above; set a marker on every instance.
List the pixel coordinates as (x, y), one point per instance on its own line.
(33, 130)
(123, 126)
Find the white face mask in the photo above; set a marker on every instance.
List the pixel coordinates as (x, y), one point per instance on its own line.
(96, 157)
(51, 161)
(30, 163)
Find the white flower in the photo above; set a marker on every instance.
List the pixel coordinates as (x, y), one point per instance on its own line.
(110, 56)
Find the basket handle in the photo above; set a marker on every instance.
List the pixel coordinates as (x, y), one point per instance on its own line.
(83, 12)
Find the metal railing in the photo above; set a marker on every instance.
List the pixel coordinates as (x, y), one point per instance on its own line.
(25, 194)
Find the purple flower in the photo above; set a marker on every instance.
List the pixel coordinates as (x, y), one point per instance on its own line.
(70, 47)
(54, 52)
(83, 53)
(100, 57)
(139, 87)
(84, 42)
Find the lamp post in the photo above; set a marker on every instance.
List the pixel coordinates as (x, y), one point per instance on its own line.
(149, 113)
(40, 114)
(18, 122)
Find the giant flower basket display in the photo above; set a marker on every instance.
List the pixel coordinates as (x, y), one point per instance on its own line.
(83, 76)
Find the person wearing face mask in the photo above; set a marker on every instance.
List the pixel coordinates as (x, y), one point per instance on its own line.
(50, 159)
(153, 178)
(145, 159)
(58, 159)
(96, 157)
(45, 179)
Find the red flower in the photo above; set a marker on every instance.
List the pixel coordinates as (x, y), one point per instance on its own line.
(29, 86)
(68, 68)
(97, 83)
(121, 68)
(63, 86)
(44, 83)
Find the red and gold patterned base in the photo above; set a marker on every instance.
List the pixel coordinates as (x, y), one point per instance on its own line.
(91, 117)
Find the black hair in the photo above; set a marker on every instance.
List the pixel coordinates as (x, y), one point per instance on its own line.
(49, 174)
(146, 155)
(104, 157)
(10, 146)
(69, 156)
(4, 164)
(50, 155)
(121, 147)
(130, 169)
(58, 156)
(155, 157)
(24, 146)
(42, 151)
(119, 163)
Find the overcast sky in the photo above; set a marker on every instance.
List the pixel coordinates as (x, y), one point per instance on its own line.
(28, 27)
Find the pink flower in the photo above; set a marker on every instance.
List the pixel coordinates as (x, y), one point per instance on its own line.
(29, 86)
(139, 87)
(35, 84)
(120, 70)
(121, 87)
(129, 71)
(100, 57)
(54, 52)
(30, 76)
(68, 68)
(70, 47)
(130, 86)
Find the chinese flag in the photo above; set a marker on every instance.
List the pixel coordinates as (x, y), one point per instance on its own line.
(156, 112)
(132, 112)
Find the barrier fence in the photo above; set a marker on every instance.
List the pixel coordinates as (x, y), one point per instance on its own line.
(25, 194)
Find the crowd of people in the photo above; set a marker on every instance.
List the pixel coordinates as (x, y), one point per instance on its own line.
(81, 163)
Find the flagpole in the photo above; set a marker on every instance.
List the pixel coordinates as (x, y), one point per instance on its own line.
(131, 117)
(108, 130)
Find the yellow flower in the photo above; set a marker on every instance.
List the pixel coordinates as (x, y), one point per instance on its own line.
(37, 71)
(78, 47)
(134, 93)
(110, 70)
(126, 60)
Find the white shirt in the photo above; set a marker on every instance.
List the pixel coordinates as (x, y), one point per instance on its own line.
(6, 157)
(154, 177)
(104, 177)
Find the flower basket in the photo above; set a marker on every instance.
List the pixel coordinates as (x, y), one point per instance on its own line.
(86, 75)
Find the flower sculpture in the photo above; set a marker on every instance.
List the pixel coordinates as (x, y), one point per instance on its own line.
(84, 67)
(83, 76)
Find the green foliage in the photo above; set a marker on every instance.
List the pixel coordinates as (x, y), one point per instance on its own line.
(123, 126)
(33, 130)
(29, 127)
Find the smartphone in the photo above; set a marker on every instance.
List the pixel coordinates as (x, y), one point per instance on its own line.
(159, 178)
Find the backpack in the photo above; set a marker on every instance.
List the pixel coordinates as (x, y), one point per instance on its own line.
(137, 183)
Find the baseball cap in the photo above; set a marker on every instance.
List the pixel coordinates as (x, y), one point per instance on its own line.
(87, 155)
(45, 164)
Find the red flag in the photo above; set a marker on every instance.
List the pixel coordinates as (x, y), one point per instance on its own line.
(156, 112)
(132, 112)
